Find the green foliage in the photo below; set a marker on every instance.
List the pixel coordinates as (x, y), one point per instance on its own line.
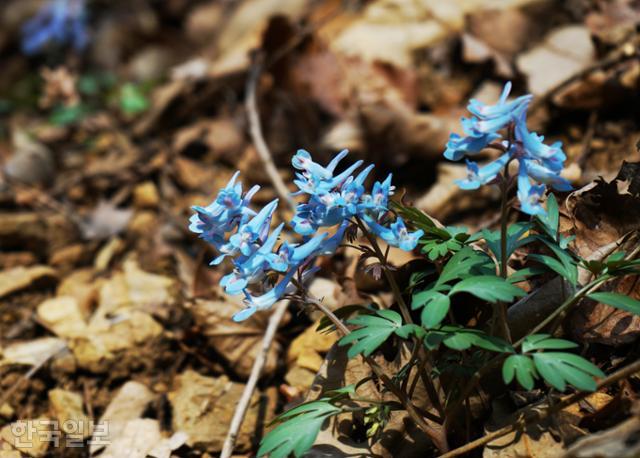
(563, 264)
(489, 288)
(298, 429)
(615, 265)
(459, 338)
(545, 342)
(132, 99)
(344, 312)
(558, 369)
(522, 368)
(64, 115)
(373, 331)
(515, 239)
(618, 301)
(437, 242)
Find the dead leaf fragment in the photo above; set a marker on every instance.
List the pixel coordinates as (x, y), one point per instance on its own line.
(19, 278)
(564, 52)
(63, 317)
(67, 409)
(128, 404)
(31, 437)
(203, 407)
(33, 352)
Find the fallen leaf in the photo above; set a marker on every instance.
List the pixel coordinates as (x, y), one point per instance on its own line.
(67, 409)
(33, 352)
(129, 403)
(31, 437)
(202, 408)
(106, 221)
(563, 53)
(19, 278)
(238, 343)
(62, 316)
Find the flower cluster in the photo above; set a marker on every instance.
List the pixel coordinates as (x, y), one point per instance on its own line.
(239, 232)
(59, 21)
(538, 163)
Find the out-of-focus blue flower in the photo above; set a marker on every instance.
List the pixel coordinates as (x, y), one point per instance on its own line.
(537, 161)
(59, 21)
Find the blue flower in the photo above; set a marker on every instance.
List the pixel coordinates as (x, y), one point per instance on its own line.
(228, 209)
(60, 21)
(397, 234)
(537, 161)
(477, 176)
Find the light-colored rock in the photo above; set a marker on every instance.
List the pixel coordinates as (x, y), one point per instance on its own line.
(146, 195)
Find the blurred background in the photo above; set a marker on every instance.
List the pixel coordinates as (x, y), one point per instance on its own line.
(114, 124)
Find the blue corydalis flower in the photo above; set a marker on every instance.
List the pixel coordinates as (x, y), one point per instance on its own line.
(538, 163)
(59, 21)
(335, 200)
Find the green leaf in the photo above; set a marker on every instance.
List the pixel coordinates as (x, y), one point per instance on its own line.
(465, 263)
(563, 263)
(618, 301)
(435, 310)
(515, 239)
(67, 115)
(522, 368)
(373, 331)
(559, 369)
(326, 325)
(132, 100)
(549, 221)
(524, 274)
(489, 288)
(298, 431)
(458, 338)
(545, 342)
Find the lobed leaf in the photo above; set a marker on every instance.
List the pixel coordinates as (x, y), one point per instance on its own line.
(618, 301)
(489, 288)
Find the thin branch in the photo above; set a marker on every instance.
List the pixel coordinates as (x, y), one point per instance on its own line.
(564, 402)
(256, 370)
(255, 129)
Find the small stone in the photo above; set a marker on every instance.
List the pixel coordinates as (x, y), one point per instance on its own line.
(146, 195)
(67, 409)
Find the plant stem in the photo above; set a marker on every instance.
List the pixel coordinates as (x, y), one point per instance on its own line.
(435, 432)
(589, 288)
(404, 309)
(500, 309)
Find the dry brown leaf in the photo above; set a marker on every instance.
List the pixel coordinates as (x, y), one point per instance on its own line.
(19, 278)
(564, 52)
(129, 403)
(62, 316)
(30, 437)
(33, 352)
(67, 409)
(202, 407)
(238, 343)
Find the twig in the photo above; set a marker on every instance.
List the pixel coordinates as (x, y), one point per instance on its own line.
(255, 129)
(256, 370)
(566, 401)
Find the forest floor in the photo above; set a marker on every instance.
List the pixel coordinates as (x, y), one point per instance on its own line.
(109, 312)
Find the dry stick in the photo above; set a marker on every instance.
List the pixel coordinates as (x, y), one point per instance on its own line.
(255, 129)
(256, 370)
(436, 435)
(564, 402)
